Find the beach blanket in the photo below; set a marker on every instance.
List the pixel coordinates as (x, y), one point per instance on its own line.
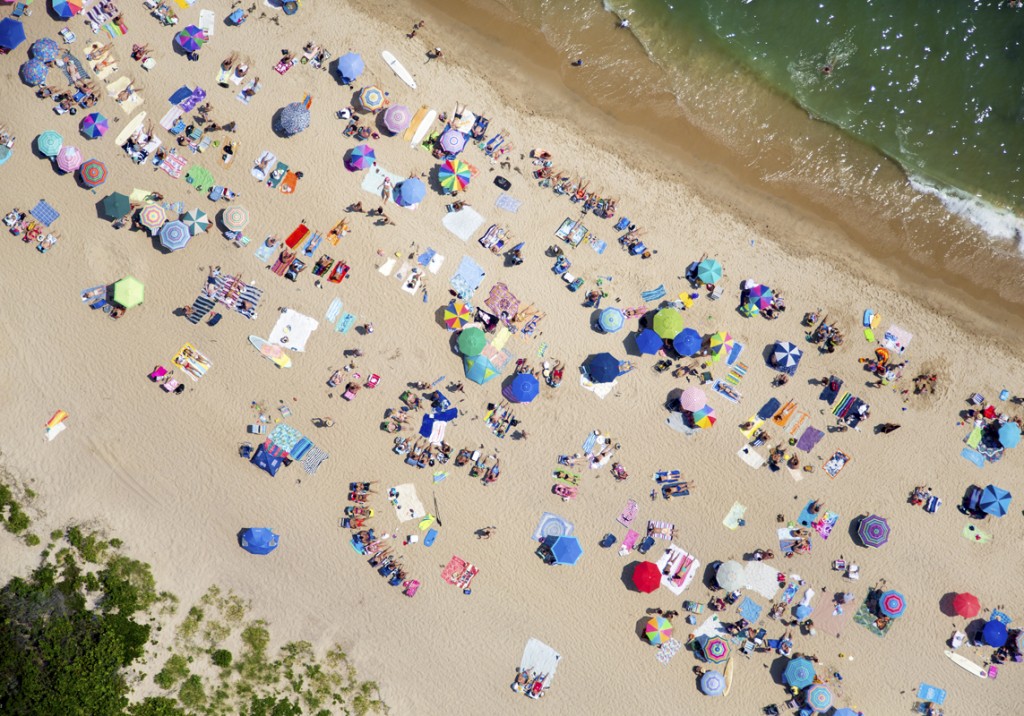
(459, 572)
(660, 530)
(654, 294)
(762, 578)
(735, 516)
(833, 618)
(344, 323)
(312, 460)
(333, 310)
(72, 61)
(824, 525)
(284, 436)
(727, 391)
(973, 534)
(712, 626)
(866, 618)
(597, 245)
(407, 504)
(750, 610)
(628, 542)
(809, 439)
(266, 159)
(677, 421)
(193, 363)
(754, 423)
(373, 180)
(734, 355)
(463, 224)
(207, 22)
(677, 569)
(842, 407)
(467, 278)
(293, 330)
(508, 203)
(896, 339)
(669, 649)
(194, 99)
(589, 442)
(277, 176)
(174, 165)
(768, 409)
(834, 465)
(927, 692)
(751, 456)
(806, 516)
(540, 658)
(628, 514)
(737, 374)
(172, 116)
(551, 525)
(789, 592)
(200, 178)
(831, 390)
(264, 253)
(601, 390)
(787, 541)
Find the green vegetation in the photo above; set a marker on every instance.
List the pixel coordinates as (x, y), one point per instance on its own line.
(175, 670)
(221, 658)
(12, 513)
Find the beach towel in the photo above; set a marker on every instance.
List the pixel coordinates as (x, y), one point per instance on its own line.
(750, 610)
(333, 310)
(1001, 617)
(973, 438)
(628, 542)
(737, 374)
(834, 465)
(654, 294)
(809, 439)
(973, 534)
(467, 278)
(789, 592)
(866, 618)
(194, 99)
(597, 245)
(407, 504)
(842, 407)
(373, 181)
(589, 442)
(56, 430)
(628, 514)
(973, 456)
(172, 116)
(463, 224)
(735, 516)
(207, 22)
(345, 323)
(601, 390)
(284, 436)
(508, 203)
(755, 423)
(806, 516)
(726, 391)
(762, 578)
(734, 355)
(277, 176)
(222, 77)
(668, 650)
(267, 160)
(768, 409)
(824, 525)
(174, 165)
(459, 572)
(571, 231)
(264, 253)
(750, 456)
(896, 339)
(660, 530)
(129, 105)
(540, 658)
(200, 178)
(293, 330)
(934, 694)
(551, 525)
(243, 95)
(677, 569)
(193, 363)
(289, 183)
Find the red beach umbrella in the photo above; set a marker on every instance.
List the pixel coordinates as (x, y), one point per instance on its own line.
(966, 605)
(646, 577)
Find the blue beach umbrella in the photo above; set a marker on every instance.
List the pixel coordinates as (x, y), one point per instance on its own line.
(688, 342)
(12, 33)
(410, 192)
(611, 320)
(802, 611)
(34, 72)
(524, 388)
(994, 634)
(45, 49)
(174, 235)
(479, 369)
(5, 153)
(603, 368)
(259, 540)
(1009, 435)
(350, 66)
(799, 673)
(786, 357)
(649, 342)
(564, 549)
(995, 501)
(712, 683)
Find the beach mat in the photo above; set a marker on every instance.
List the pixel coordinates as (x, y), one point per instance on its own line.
(761, 577)
(333, 310)
(463, 224)
(751, 456)
(281, 169)
(508, 203)
(628, 514)
(806, 516)
(345, 323)
(750, 610)
(768, 409)
(973, 534)
(755, 424)
(654, 294)
(734, 355)
(866, 619)
(540, 658)
(551, 525)
(927, 692)
(973, 456)
(373, 181)
(825, 525)
(407, 504)
(735, 516)
(809, 439)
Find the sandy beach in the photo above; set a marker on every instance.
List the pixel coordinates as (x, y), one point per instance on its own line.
(163, 471)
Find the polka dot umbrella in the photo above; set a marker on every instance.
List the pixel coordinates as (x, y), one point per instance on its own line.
(93, 173)
(693, 398)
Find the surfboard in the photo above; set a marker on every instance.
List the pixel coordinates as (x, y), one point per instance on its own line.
(272, 352)
(129, 129)
(966, 664)
(728, 676)
(424, 127)
(398, 69)
(416, 119)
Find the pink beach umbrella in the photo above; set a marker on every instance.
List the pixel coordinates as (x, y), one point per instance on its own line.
(397, 118)
(692, 399)
(69, 159)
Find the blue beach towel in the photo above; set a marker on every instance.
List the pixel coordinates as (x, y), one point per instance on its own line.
(973, 456)
(750, 610)
(791, 589)
(768, 409)
(927, 692)
(333, 310)
(589, 443)
(345, 323)
(599, 246)
(806, 517)
(734, 354)
(654, 294)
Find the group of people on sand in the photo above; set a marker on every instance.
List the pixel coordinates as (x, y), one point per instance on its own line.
(422, 453)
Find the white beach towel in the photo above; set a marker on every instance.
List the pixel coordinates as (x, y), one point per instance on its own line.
(463, 223)
(674, 554)
(435, 263)
(374, 180)
(761, 578)
(751, 456)
(293, 330)
(207, 20)
(385, 268)
(678, 423)
(172, 116)
(407, 504)
(736, 512)
(508, 203)
(710, 627)
(540, 658)
(601, 390)
(56, 430)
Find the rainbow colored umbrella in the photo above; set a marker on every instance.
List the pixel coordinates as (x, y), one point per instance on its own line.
(704, 417)
(67, 9)
(95, 125)
(93, 173)
(190, 39)
(152, 217)
(454, 175)
(658, 630)
(45, 49)
(235, 218)
(49, 143)
(371, 98)
(34, 72)
(819, 698)
(456, 315)
(397, 118)
(716, 650)
(720, 345)
(892, 604)
(760, 296)
(69, 159)
(361, 157)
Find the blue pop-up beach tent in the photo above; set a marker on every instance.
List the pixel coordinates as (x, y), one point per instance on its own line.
(267, 462)
(258, 540)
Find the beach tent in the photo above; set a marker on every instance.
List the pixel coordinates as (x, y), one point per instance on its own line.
(472, 341)
(966, 605)
(129, 292)
(730, 575)
(603, 368)
(258, 540)
(12, 33)
(479, 369)
(361, 157)
(799, 673)
(611, 320)
(994, 501)
(433, 425)
(819, 698)
(786, 357)
(646, 577)
(687, 342)
(34, 72)
(115, 205)
(410, 192)
(892, 604)
(397, 118)
(267, 462)
(45, 49)
(524, 388)
(873, 531)
(49, 143)
(658, 630)
(693, 398)
(648, 342)
(668, 323)
(350, 66)
(564, 549)
(712, 683)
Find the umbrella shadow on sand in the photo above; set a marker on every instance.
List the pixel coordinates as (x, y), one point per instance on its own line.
(852, 528)
(672, 400)
(777, 668)
(627, 577)
(641, 626)
(946, 604)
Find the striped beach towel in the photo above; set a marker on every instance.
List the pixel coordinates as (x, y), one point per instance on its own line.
(589, 443)
(334, 310)
(737, 373)
(174, 165)
(654, 294)
(178, 207)
(313, 459)
(843, 405)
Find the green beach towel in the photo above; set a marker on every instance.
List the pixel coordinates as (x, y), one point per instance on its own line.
(974, 438)
(280, 171)
(200, 178)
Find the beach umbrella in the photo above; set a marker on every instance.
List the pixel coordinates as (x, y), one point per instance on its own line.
(68, 159)
(479, 369)
(730, 575)
(892, 604)
(994, 501)
(524, 388)
(95, 125)
(67, 9)
(235, 218)
(196, 220)
(49, 143)
(128, 292)
(457, 314)
(5, 153)
(93, 173)
(819, 698)
(396, 118)
(152, 217)
(611, 320)
(45, 49)
(688, 342)
(748, 310)
(472, 341)
(786, 357)
(845, 712)
(760, 296)
(720, 344)
(693, 398)
(454, 175)
(12, 33)
(704, 417)
(709, 270)
(292, 119)
(648, 342)
(712, 683)
(410, 192)
(564, 549)
(190, 39)
(799, 673)
(115, 205)
(34, 72)
(646, 577)
(873, 531)
(1009, 435)
(371, 98)
(174, 235)
(658, 630)
(716, 650)
(994, 634)
(802, 611)
(966, 605)
(668, 323)
(350, 66)
(603, 368)
(452, 141)
(361, 157)
(258, 540)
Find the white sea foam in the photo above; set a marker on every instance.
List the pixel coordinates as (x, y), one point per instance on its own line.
(997, 222)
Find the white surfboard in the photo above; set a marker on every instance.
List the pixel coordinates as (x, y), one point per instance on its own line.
(423, 129)
(272, 352)
(398, 68)
(967, 665)
(129, 129)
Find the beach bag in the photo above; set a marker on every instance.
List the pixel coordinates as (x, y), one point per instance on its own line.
(502, 183)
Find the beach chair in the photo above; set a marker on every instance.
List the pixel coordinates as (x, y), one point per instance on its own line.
(257, 429)
(68, 36)
(20, 9)
(245, 451)
(607, 541)
(178, 128)
(646, 545)
(171, 385)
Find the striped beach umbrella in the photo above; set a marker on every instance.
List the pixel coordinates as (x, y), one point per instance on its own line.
(34, 72)
(49, 143)
(95, 125)
(720, 345)
(69, 159)
(692, 399)
(799, 673)
(361, 157)
(456, 315)
(716, 650)
(174, 235)
(454, 175)
(452, 141)
(873, 531)
(709, 271)
(712, 683)
(190, 39)
(611, 320)
(371, 98)
(704, 417)
(397, 118)
(235, 218)
(819, 698)
(152, 217)
(786, 357)
(67, 9)
(93, 173)
(45, 49)
(892, 604)
(196, 220)
(658, 630)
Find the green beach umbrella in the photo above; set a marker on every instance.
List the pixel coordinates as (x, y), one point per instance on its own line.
(196, 220)
(128, 292)
(49, 143)
(472, 341)
(668, 323)
(116, 205)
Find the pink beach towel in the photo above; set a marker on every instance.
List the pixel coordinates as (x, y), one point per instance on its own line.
(629, 542)
(628, 514)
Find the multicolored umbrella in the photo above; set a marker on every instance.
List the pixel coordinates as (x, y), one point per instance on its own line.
(472, 341)
(693, 398)
(892, 603)
(730, 575)
(397, 118)
(115, 205)
(12, 33)
(49, 143)
(67, 9)
(452, 141)
(350, 66)
(190, 39)
(995, 501)
(819, 698)
(668, 323)
(709, 271)
(525, 387)
(93, 173)
(966, 605)
(152, 217)
(720, 345)
(873, 531)
(371, 98)
(716, 650)
(196, 220)
(760, 296)
(704, 417)
(712, 683)
(799, 673)
(456, 315)
(479, 369)
(174, 235)
(688, 342)
(235, 218)
(646, 577)
(128, 292)
(410, 192)
(454, 175)
(34, 72)
(95, 125)
(361, 157)
(786, 357)
(995, 634)
(45, 49)
(611, 320)
(69, 159)
(658, 630)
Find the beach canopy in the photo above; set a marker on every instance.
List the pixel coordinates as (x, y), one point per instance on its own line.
(49, 143)
(786, 357)
(472, 341)
(152, 217)
(564, 549)
(603, 368)
(190, 39)
(292, 119)
(196, 220)
(648, 342)
(658, 630)
(712, 683)
(966, 605)
(994, 501)
(525, 387)
(454, 175)
(235, 218)
(994, 634)
(479, 369)
(67, 9)
(704, 417)
(457, 314)
(45, 49)
(799, 673)
(730, 575)
(646, 577)
(892, 604)
(688, 342)
(873, 531)
(819, 698)
(668, 323)
(410, 192)
(397, 118)
(693, 398)
(259, 540)
(715, 649)
(371, 98)
(361, 157)
(12, 33)
(452, 141)
(1009, 435)
(174, 235)
(115, 205)
(68, 159)
(709, 271)
(34, 72)
(350, 66)
(95, 125)
(611, 320)
(93, 173)
(128, 292)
